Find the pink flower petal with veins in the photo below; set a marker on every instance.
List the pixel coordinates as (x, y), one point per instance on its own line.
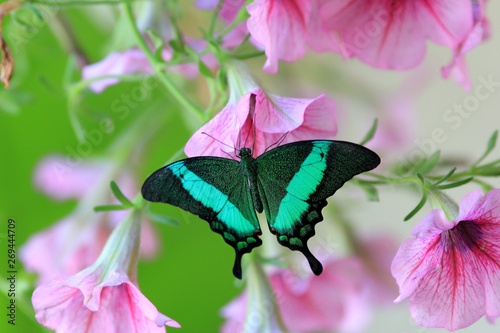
(389, 34)
(281, 27)
(79, 304)
(479, 32)
(275, 117)
(450, 270)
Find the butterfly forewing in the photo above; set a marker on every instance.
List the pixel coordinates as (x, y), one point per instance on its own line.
(214, 189)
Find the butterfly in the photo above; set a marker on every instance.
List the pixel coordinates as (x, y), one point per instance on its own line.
(290, 183)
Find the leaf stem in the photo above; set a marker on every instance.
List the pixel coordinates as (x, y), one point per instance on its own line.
(158, 67)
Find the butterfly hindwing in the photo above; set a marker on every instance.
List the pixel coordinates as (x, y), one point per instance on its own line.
(216, 190)
(294, 181)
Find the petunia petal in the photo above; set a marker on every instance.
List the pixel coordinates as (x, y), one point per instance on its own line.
(281, 27)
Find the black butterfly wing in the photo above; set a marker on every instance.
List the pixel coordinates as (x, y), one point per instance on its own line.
(216, 190)
(294, 181)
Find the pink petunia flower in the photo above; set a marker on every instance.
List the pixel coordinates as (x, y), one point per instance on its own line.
(116, 63)
(479, 32)
(134, 61)
(388, 34)
(75, 241)
(103, 297)
(338, 299)
(274, 117)
(281, 27)
(450, 270)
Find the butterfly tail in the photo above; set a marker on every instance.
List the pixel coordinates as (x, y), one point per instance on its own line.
(315, 264)
(237, 272)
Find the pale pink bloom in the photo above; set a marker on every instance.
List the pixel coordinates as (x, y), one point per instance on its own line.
(450, 270)
(275, 118)
(58, 179)
(388, 34)
(376, 254)
(479, 32)
(281, 27)
(338, 299)
(76, 241)
(66, 247)
(132, 61)
(396, 130)
(103, 297)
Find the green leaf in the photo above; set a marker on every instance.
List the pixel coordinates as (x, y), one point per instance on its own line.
(485, 186)
(455, 184)
(71, 72)
(421, 178)
(119, 195)
(429, 163)
(204, 70)
(371, 132)
(157, 217)
(448, 175)
(177, 46)
(416, 209)
(106, 208)
(492, 142)
(371, 192)
(158, 43)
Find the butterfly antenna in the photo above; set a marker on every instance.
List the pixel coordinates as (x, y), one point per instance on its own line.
(225, 144)
(277, 143)
(228, 154)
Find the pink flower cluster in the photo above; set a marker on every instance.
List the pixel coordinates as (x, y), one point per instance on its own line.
(341, 299)
(87, 262)
(384, 34)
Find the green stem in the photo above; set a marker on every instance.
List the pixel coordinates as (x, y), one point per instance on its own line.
(249, 55)
(213, 20)
(71, 3)
(158, 67)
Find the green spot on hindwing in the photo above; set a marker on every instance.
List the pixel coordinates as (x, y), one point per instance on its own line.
(283, 238)
(241, 245)
(251, 240)
(305, 230)
(217, 226)
(296, 242)
(229, 237)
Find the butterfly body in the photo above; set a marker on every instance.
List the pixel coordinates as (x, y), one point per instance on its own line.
(289, 183)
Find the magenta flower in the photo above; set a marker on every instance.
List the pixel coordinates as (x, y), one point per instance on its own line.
(338, 299)
(450, 270)
(389, 34)
(103, 297)
(273, 117)
(479, 32)
(281, 27)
